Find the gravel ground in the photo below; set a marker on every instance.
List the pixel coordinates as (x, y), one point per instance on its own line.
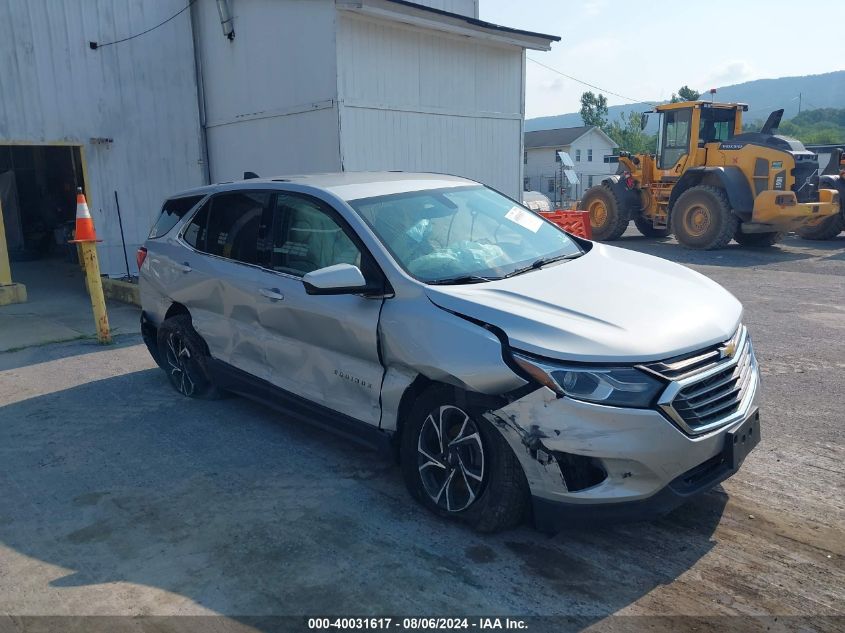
(119, 497)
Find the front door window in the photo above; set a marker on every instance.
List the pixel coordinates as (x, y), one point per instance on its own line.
(675, 137)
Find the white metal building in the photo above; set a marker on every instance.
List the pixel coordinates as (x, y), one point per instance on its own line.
(299, 86)
(587, 147)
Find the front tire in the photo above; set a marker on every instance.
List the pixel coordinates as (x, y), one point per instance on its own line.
(758, 240)
(184, 357)
(702, 218)
(459, 466)
(608, 218)
(647, 229)
(826, 229)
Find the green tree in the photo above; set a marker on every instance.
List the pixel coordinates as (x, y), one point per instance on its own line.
(594, 109)
(628, 135)
(685, 94)
(819, 126)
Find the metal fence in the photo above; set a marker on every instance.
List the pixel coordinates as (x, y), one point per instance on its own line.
(558, 189)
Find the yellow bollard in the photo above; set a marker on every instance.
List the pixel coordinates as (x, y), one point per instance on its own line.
(95, 290)
(86, 240)
(9, 292)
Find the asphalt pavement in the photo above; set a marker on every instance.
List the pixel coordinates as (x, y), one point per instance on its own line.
(119, 497)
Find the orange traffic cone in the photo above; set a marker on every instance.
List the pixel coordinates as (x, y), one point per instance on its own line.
(84, 224)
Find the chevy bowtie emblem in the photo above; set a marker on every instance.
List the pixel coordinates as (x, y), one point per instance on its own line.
(727, 350)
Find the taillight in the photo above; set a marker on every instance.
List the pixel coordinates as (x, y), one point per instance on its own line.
(140, 256)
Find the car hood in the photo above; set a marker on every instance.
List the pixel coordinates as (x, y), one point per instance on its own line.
(610, 305)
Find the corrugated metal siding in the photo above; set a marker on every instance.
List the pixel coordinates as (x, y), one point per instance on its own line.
(271, 92)
(140, 93)
(417, 99)
(486, 150)
(295, 144)
(461, 7)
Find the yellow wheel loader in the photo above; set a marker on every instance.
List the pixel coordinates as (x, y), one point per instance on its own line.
(832, 176)
(710, 182)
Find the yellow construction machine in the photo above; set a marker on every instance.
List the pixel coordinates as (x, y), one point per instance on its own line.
(710, 182)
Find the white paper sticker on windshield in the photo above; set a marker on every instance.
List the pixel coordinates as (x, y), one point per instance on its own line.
(525, 219)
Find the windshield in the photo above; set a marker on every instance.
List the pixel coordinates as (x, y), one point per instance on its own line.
(439, 235)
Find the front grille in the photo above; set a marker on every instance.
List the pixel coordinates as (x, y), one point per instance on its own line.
(709, 387)
(806, 175)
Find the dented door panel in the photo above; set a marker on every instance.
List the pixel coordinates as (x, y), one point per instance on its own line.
(323, 348)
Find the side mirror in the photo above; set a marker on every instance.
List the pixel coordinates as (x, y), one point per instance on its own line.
(339, 279)
(643, 120)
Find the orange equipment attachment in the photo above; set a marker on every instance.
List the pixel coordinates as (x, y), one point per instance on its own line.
(575, 222)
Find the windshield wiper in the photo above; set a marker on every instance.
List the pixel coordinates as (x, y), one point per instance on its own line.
(461, 279)
(542, 262)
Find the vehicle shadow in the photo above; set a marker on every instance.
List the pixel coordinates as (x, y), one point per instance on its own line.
(246, 514)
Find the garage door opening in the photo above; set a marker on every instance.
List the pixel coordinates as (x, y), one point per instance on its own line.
(38, 193)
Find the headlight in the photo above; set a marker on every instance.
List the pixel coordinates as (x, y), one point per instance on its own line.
(615, 386)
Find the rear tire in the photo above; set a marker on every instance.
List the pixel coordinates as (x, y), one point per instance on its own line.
(608, 218)
(758, 240)
(471, 475)
(824, 230)
(646, 228)
(185, 358)
(702, 218)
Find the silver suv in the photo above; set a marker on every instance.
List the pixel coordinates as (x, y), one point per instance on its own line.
(512, 369)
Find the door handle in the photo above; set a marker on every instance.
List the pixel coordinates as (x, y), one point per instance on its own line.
(185, 267)
(271, 293)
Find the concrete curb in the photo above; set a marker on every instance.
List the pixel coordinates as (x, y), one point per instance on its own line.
(122, 291)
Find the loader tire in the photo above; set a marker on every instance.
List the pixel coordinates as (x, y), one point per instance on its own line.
(702, 218)
(646, 227)
(608, 218)
(758, 240)
(824, 230)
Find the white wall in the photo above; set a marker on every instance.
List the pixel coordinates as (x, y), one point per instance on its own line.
(461, 7)
(141, 93)
(419, 100)
(270, 93)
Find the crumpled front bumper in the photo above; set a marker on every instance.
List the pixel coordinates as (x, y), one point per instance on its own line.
(649, 462)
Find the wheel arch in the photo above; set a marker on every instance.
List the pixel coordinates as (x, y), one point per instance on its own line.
(629, 198)
(176, 309)
(729, 179)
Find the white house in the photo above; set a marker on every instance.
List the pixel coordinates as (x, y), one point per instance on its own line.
(543, 170)
(228, 86)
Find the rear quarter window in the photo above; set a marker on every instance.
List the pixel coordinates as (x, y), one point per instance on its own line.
(173, 211)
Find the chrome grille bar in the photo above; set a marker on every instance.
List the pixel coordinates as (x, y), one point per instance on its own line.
(715, 392)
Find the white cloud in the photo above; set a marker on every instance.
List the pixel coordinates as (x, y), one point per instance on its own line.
(729, 72)
(593, 8)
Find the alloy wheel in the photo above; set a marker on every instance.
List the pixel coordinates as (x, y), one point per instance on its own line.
(180, 365)
(450, 458)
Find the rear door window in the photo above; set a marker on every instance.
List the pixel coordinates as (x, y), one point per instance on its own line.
(238, 227)
(173, 211)
(194, 233)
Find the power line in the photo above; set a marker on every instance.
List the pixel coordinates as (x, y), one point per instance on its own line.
(610, 92)
(94, 45)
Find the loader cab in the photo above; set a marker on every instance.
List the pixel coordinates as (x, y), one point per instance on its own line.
(689, 125)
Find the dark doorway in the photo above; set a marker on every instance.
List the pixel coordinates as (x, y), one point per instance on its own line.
(38, 193)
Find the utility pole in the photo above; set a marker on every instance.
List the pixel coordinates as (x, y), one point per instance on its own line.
(799, 103)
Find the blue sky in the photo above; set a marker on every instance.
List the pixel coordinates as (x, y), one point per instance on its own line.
(648, 49)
